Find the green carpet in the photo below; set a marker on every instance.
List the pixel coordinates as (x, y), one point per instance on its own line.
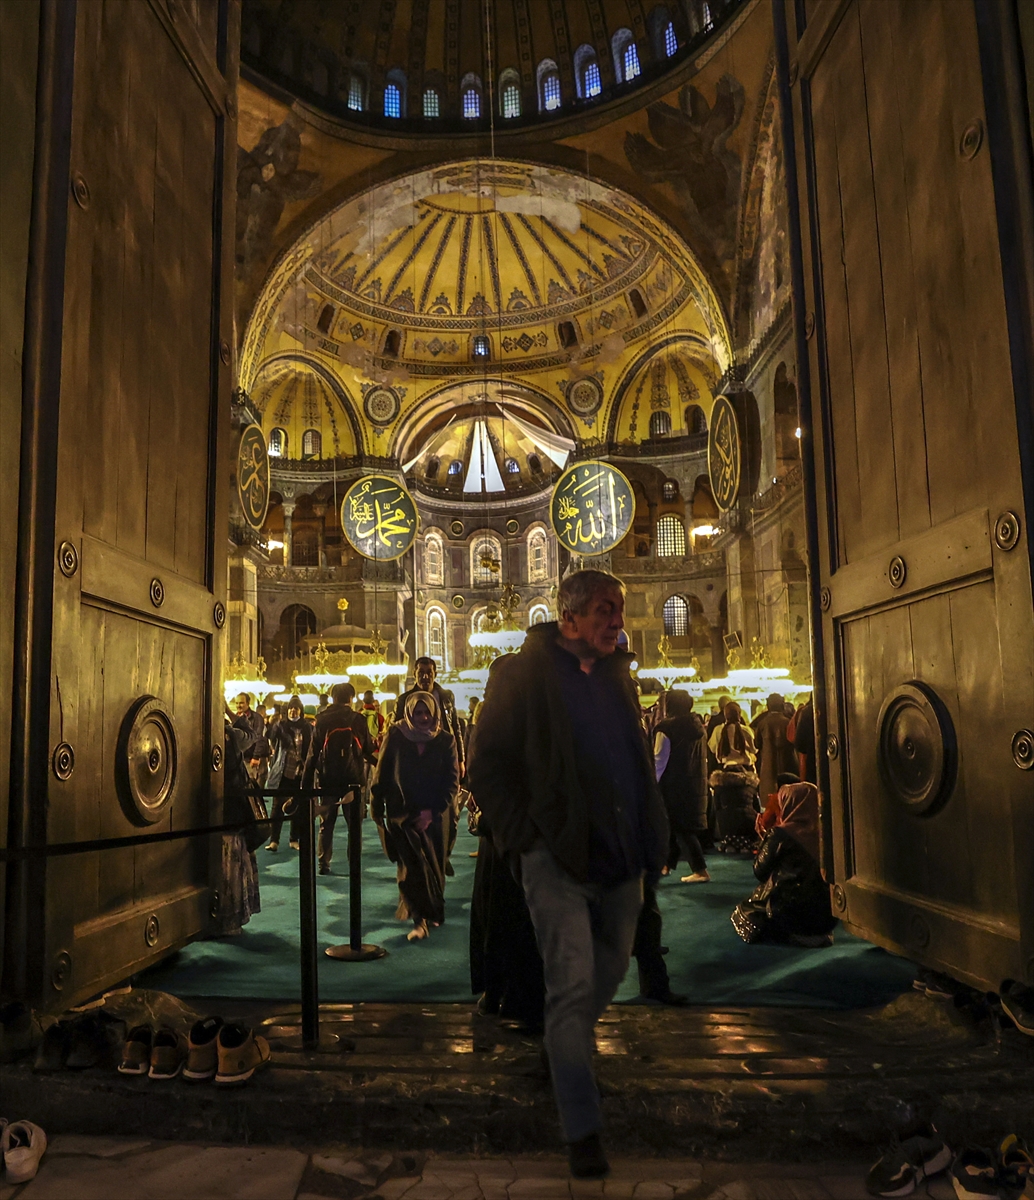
(707, 960)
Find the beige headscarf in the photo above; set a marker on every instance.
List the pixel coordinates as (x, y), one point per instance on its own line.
(409, 730)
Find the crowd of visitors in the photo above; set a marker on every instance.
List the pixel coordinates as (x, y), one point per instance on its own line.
(581, 801)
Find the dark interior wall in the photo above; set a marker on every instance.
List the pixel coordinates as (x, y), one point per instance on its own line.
(19, 33)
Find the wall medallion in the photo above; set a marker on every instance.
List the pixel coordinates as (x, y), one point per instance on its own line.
(378, 517)
(253, 475)
(381, 405)
(592, 507)
(584, 396)
(724, 453)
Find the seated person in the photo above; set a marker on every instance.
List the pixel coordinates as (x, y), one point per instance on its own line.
(791, 901)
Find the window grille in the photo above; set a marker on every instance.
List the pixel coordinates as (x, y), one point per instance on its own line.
(671, 537)
(551, 92)
(471, 104)
(511, 100)
(436, 636)
(485, 561)
(392, 101)
(660, 424)
(676, 617)
(431, 103)
(513, 467)
(592, 85)
(355, 94)
(312, 443)
(671, 42)
(537, 567)
(277, 443)
(481, 346)
(455, 467)
(433, 561)
(632, 68)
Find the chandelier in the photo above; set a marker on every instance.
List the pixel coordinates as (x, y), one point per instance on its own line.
(322, 679)
(498, 633)
(241, 676)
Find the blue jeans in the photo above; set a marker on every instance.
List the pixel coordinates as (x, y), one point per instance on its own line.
(584, 933)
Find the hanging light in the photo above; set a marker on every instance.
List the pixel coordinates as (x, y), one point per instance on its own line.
(242, 676)
(322, 679)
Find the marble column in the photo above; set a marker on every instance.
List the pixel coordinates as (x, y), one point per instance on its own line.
(288, 507)
(321, 511)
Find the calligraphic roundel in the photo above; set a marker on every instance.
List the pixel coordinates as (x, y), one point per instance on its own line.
(253, 475)
(724, 453)
(378, 517)
(592, 507)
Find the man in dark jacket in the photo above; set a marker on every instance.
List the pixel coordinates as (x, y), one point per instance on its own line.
(337, 716)
(564, 775)
(425, 671)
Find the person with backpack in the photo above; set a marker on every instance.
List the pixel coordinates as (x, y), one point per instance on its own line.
(341, 747)
(371, 711)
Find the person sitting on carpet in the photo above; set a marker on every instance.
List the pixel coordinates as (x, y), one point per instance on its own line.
(735, 783)
(413, 788)
(791, 901)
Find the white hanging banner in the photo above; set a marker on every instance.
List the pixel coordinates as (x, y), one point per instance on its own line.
(555, 447)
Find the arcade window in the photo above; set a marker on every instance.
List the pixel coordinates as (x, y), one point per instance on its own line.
(486, 558)
(433, 568)
(635, 296)
(312, 443)
(696, 422)
(471, 104)
(277, 443)
(566, 334)
(482, 347)
(671, 537)
(392, 343)
(511, 100)
(436, 636)
(539, 615)
(456, 467)
(513, 467)
(326, 318)
(392, 101)
(537, 565)
(660, 424)
(671, 42)
(592, 84)
(676, 617)
(431, 470)
(355, 93)
(670, 489)
(431, 103)
(535, 464)
(551, 91)
(631, 62)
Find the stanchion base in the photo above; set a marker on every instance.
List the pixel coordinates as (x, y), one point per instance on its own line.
(365, 953)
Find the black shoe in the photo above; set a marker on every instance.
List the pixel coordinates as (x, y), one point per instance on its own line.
(449, 869)
(324, 869)
(95, 1040)
(664, 949)
(587, 1158)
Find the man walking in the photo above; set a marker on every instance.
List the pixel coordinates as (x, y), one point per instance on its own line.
(563, 773)
(341, 746)
(256, 750)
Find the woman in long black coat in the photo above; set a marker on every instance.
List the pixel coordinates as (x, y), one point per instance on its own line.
(416, 779)
(680, 754)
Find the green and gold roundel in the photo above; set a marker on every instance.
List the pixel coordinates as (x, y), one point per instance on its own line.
(379, 517)
(724, 453)
(592, 507)
(253, 475)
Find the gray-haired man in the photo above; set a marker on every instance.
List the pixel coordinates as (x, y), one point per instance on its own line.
(564, 775)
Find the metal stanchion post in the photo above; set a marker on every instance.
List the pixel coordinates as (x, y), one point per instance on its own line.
(307, 927)
(357, 950)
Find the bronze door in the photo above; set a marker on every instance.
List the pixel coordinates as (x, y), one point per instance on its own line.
(121, 724)
(913, 325)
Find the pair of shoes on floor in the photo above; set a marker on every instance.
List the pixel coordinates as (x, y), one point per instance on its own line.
(20, 1032)
(89, 1039)
(587, 1159)
(935, 984)
(157, 1053)
(227, 1052)
(697, 877)
(1008, 1173)
(1018, 1005)
(22, 1145)
(910, 1160)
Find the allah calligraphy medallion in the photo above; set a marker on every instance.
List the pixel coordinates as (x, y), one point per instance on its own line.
(592, 507)
(379, 517)
(253, 475)
(724, 453)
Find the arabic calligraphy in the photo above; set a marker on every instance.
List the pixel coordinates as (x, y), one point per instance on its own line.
(724, 454)
(592, 507)
(253, 476)
(378, 517)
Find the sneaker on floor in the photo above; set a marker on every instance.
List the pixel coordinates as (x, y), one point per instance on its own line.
(24, 1144)
(240, 1054)
(136, 1052)
(697, 877)
(587, 1159)
(1018, 1004)
(974, 1175)
(1015, 1167)
(939, 985)
(202, 1050)
(168, 1053)
(908, 1162)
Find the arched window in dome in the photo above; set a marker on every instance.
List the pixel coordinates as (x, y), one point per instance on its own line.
(431, 106)
(456, 467)
(619, 44)
(509, 94)
(277, 443)
(356, 92)
(671, 41)
(671, 537)
(664, 40)
(470, 91)
(392, 342)
(676, 617)
(534, 464)
(326, 318)
(481, 346)
(549, 85)
(660, 423)
(587, 72)
(513, 467)
(312, 443)
(635, 297)
(435, 647)
(670, 490)
(538, 560)
(696, 422)
(392, 101)
(631, 62)
(486, 561)
(538, 614)
(433, 561)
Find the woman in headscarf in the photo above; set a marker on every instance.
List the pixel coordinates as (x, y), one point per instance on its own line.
(735, 783)
(791, 901)
(413, 788)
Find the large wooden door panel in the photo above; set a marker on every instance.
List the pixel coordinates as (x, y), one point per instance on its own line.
(927, 631)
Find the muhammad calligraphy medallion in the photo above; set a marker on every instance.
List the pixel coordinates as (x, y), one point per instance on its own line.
(592, 507)
(379, 517)
(724, 453)
(253, 475)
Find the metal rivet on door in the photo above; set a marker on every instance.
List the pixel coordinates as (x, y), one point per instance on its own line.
(157, 593)
(68, 559)
(61, 970)
(1023, 749)
(833, 746)
(897, 571)
(219, 614)
(972, 139)
(81, 191)
(224, 352)
(839, 898)
(1007, 531)
(809, 324)
(152, 930)
(63, 761)
(825, 599)
(217, 757)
